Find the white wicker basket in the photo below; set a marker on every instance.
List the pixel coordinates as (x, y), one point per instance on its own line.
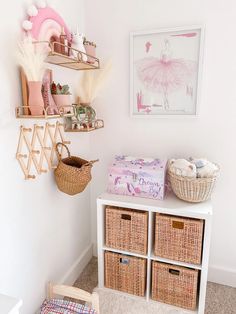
(193, 190)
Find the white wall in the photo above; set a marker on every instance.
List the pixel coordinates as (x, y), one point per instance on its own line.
(43, 232)
(211, 134)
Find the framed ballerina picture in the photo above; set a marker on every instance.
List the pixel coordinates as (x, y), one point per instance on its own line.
(165, 70)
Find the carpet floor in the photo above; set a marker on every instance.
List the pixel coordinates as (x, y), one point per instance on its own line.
(219, 300)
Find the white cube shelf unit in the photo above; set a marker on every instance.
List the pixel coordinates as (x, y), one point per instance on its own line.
(170, 206)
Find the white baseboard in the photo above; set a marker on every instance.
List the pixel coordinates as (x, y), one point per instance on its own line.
(78, 266)
(95, 249)
(76, 269)
(223, 276)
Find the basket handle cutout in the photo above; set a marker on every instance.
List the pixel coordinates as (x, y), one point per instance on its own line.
(57, 151)
(124, 261)
(177, 224)
(125, 216)
(174, 272)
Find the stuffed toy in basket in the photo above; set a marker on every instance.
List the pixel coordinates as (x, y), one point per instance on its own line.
(193, 180)
(73, 173)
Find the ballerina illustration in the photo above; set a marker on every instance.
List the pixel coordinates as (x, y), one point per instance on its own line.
(166, 74)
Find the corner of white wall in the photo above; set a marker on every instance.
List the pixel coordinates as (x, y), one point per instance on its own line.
(109, 27)
(223, 276)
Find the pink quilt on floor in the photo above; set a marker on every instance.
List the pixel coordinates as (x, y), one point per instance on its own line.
(57, 306)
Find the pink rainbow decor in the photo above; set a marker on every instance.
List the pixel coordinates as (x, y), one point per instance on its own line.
(46, 24)
(49, 28)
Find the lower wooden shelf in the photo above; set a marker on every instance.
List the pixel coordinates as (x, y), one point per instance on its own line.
(21, 113)
(85, 126)
(83, 130)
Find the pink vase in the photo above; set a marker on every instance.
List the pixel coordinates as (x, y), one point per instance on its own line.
(63, 102)
(35, 101)
(91, 52)
(49, 103)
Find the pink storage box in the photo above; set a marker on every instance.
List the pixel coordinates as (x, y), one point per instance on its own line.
(137, 177)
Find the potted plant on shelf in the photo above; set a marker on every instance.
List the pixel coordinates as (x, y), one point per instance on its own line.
(90, 85)
(31, 58)
(61, 95)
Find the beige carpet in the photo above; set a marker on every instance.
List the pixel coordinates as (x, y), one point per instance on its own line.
(220, 299)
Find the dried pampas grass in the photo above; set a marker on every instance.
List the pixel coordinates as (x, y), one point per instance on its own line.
(31, 58)
(92, 82)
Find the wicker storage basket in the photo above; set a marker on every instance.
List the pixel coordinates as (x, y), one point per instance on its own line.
(174, 285)
(125, 273)
(178, 238)
(126, 229)
(193, 190)
(72, 173)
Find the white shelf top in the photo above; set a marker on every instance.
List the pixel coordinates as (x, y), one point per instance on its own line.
(176, 263)
(153, 258)
(170, 205)
(9, 304)
(106, 248)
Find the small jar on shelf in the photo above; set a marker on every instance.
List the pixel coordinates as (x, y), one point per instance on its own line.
(90, 48)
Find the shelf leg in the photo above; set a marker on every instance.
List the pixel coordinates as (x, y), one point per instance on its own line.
(204, 271)
(100, 236)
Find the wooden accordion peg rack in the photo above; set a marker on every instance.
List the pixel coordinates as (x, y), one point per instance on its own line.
(36, 148)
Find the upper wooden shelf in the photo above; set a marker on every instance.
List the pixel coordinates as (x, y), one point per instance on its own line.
(73, 61)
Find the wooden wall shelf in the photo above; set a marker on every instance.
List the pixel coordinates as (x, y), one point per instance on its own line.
(70, 63)
(82, 130)
(84, 127)
(73, 61)
(20, 113)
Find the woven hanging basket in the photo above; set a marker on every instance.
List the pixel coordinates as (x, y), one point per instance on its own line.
(72, 174)
(193, 190)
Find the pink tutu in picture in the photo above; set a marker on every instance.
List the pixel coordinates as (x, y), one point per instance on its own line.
(165, 75)
(160, 75)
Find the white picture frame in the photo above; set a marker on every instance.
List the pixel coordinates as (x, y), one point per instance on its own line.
(165, 72)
